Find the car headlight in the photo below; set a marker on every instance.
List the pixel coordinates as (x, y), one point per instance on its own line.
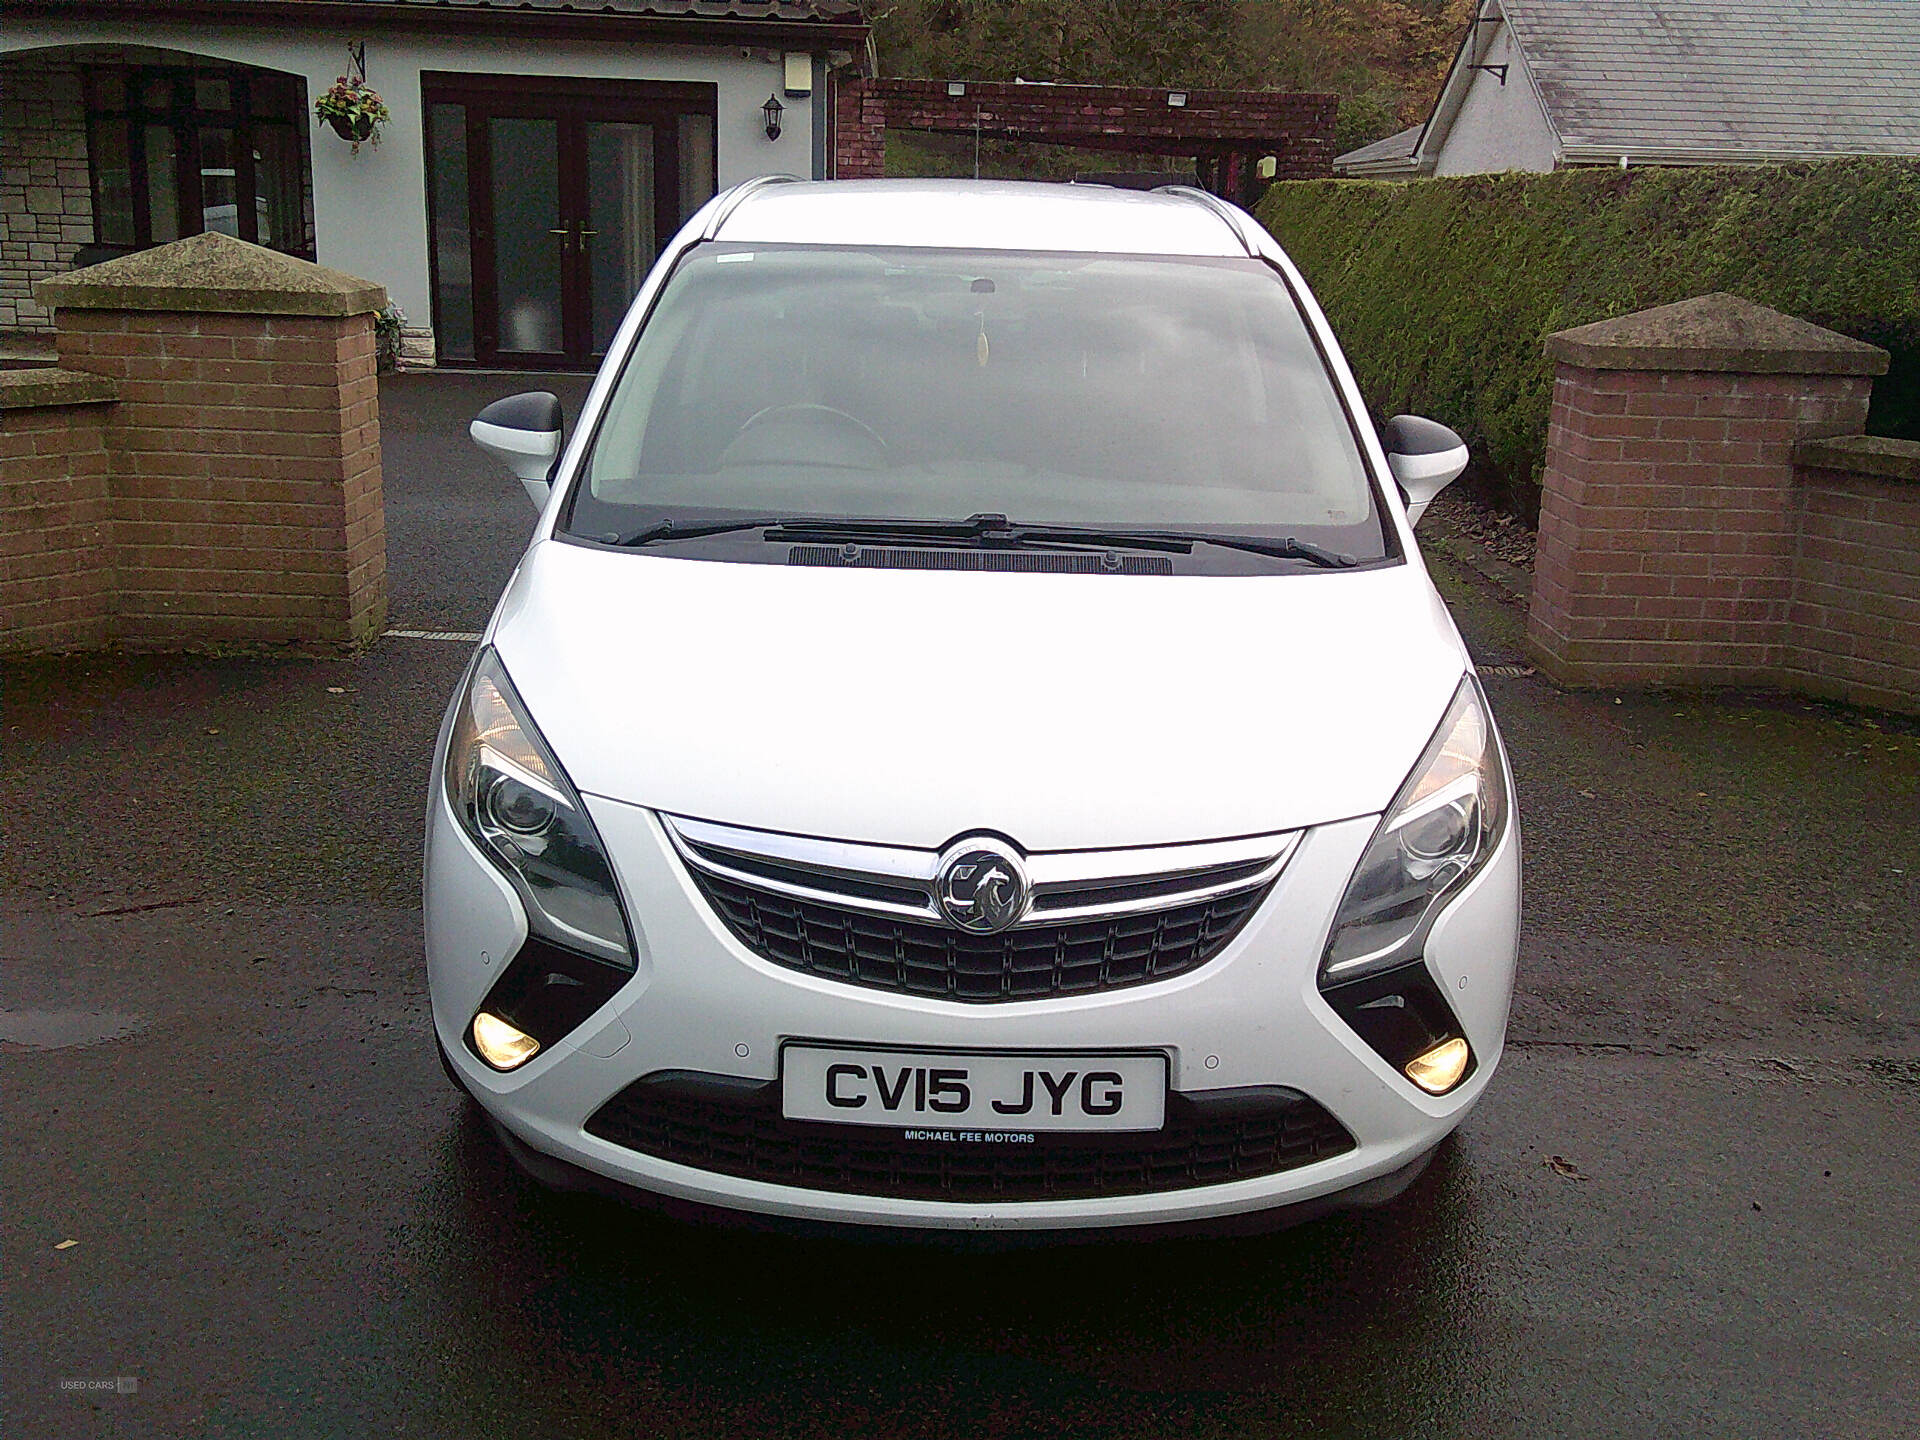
(1440, 830)
(516, 803)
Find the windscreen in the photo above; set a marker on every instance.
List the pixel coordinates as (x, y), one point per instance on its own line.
(926, 384)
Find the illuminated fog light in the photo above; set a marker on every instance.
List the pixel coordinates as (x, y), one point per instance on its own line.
(1438, 1070)
(504, 1047)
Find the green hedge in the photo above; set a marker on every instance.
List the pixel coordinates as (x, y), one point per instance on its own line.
(1442, 290)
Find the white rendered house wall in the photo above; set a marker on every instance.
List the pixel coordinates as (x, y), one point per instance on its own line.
(370, 209)
(1499, 127)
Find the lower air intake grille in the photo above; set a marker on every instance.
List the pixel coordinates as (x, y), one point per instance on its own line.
(1028, 963)
(734, 1127)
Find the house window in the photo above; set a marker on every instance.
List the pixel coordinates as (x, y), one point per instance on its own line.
(176, 152)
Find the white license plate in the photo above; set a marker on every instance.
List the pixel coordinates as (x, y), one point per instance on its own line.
(923, 1090)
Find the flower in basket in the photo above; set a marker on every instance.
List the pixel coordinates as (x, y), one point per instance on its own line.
(355, 111)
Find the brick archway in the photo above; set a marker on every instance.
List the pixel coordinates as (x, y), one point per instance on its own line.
(1227, 131)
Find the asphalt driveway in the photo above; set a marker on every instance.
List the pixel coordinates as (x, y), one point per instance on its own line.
(1686, 1206)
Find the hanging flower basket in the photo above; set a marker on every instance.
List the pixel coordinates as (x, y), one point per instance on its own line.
(359, 128)
(354, 110)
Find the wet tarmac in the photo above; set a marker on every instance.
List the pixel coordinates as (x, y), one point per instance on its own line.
(1686, 1206)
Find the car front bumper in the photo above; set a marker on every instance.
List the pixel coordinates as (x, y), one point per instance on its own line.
(701, 1002)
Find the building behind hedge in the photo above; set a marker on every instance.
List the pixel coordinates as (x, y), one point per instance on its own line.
(1550, 84)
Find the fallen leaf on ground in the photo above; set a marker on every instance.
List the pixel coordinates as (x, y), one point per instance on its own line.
(1560, 1165)
(336, 689)
(66, 1244)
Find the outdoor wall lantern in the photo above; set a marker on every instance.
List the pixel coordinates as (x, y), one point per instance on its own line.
(773, 110)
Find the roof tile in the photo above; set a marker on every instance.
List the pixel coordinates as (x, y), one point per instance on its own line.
(1778, 77)
(790, 11)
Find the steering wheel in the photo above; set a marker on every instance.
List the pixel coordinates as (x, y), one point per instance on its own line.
(802, 414)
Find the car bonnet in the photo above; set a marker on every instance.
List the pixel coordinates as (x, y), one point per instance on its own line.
(912, 707)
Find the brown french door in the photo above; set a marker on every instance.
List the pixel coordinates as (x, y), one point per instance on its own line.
(550, 200)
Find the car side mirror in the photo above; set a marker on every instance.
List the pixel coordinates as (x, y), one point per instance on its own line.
(523, 433)
(1425, 457)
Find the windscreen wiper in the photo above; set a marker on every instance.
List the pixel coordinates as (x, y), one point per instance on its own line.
(986, 528)
(1287, 547)
(1180, 541)
(671, 529)
(782, 528)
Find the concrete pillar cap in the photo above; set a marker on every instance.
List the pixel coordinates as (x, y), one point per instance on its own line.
(212, 274)
(1715, 332)
(45, 386)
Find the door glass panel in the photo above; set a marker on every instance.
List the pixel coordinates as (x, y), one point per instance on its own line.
(277, 204)
(698, 180)
(219, 194)
(526, 232)
(113, 181)
(452, 243)
(212, 93)
(163, 183)
(620, 215)
(106, 89)
(277, 96)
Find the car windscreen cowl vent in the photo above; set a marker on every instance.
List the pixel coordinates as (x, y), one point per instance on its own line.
(1019, 562)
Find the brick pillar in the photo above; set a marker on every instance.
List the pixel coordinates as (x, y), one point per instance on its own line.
(1668, 519)
(859, 132)
(244, 455)
(56, 577)
(1853, 628)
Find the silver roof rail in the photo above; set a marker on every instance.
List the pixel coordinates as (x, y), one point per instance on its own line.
(1230, 217)
(731, 201)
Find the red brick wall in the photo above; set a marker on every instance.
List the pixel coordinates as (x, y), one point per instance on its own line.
(1669, 521)
(859, 132)
(245, 475)
(1296, 128)
(55, 565)
(1853, 623)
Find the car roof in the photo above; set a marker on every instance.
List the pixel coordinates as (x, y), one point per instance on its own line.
(981, 215)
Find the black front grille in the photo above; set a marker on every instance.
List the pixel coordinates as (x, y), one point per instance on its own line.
(734, 1127)
(1028, 963)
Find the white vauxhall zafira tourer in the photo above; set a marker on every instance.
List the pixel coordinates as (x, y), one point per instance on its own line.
(972, 744)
